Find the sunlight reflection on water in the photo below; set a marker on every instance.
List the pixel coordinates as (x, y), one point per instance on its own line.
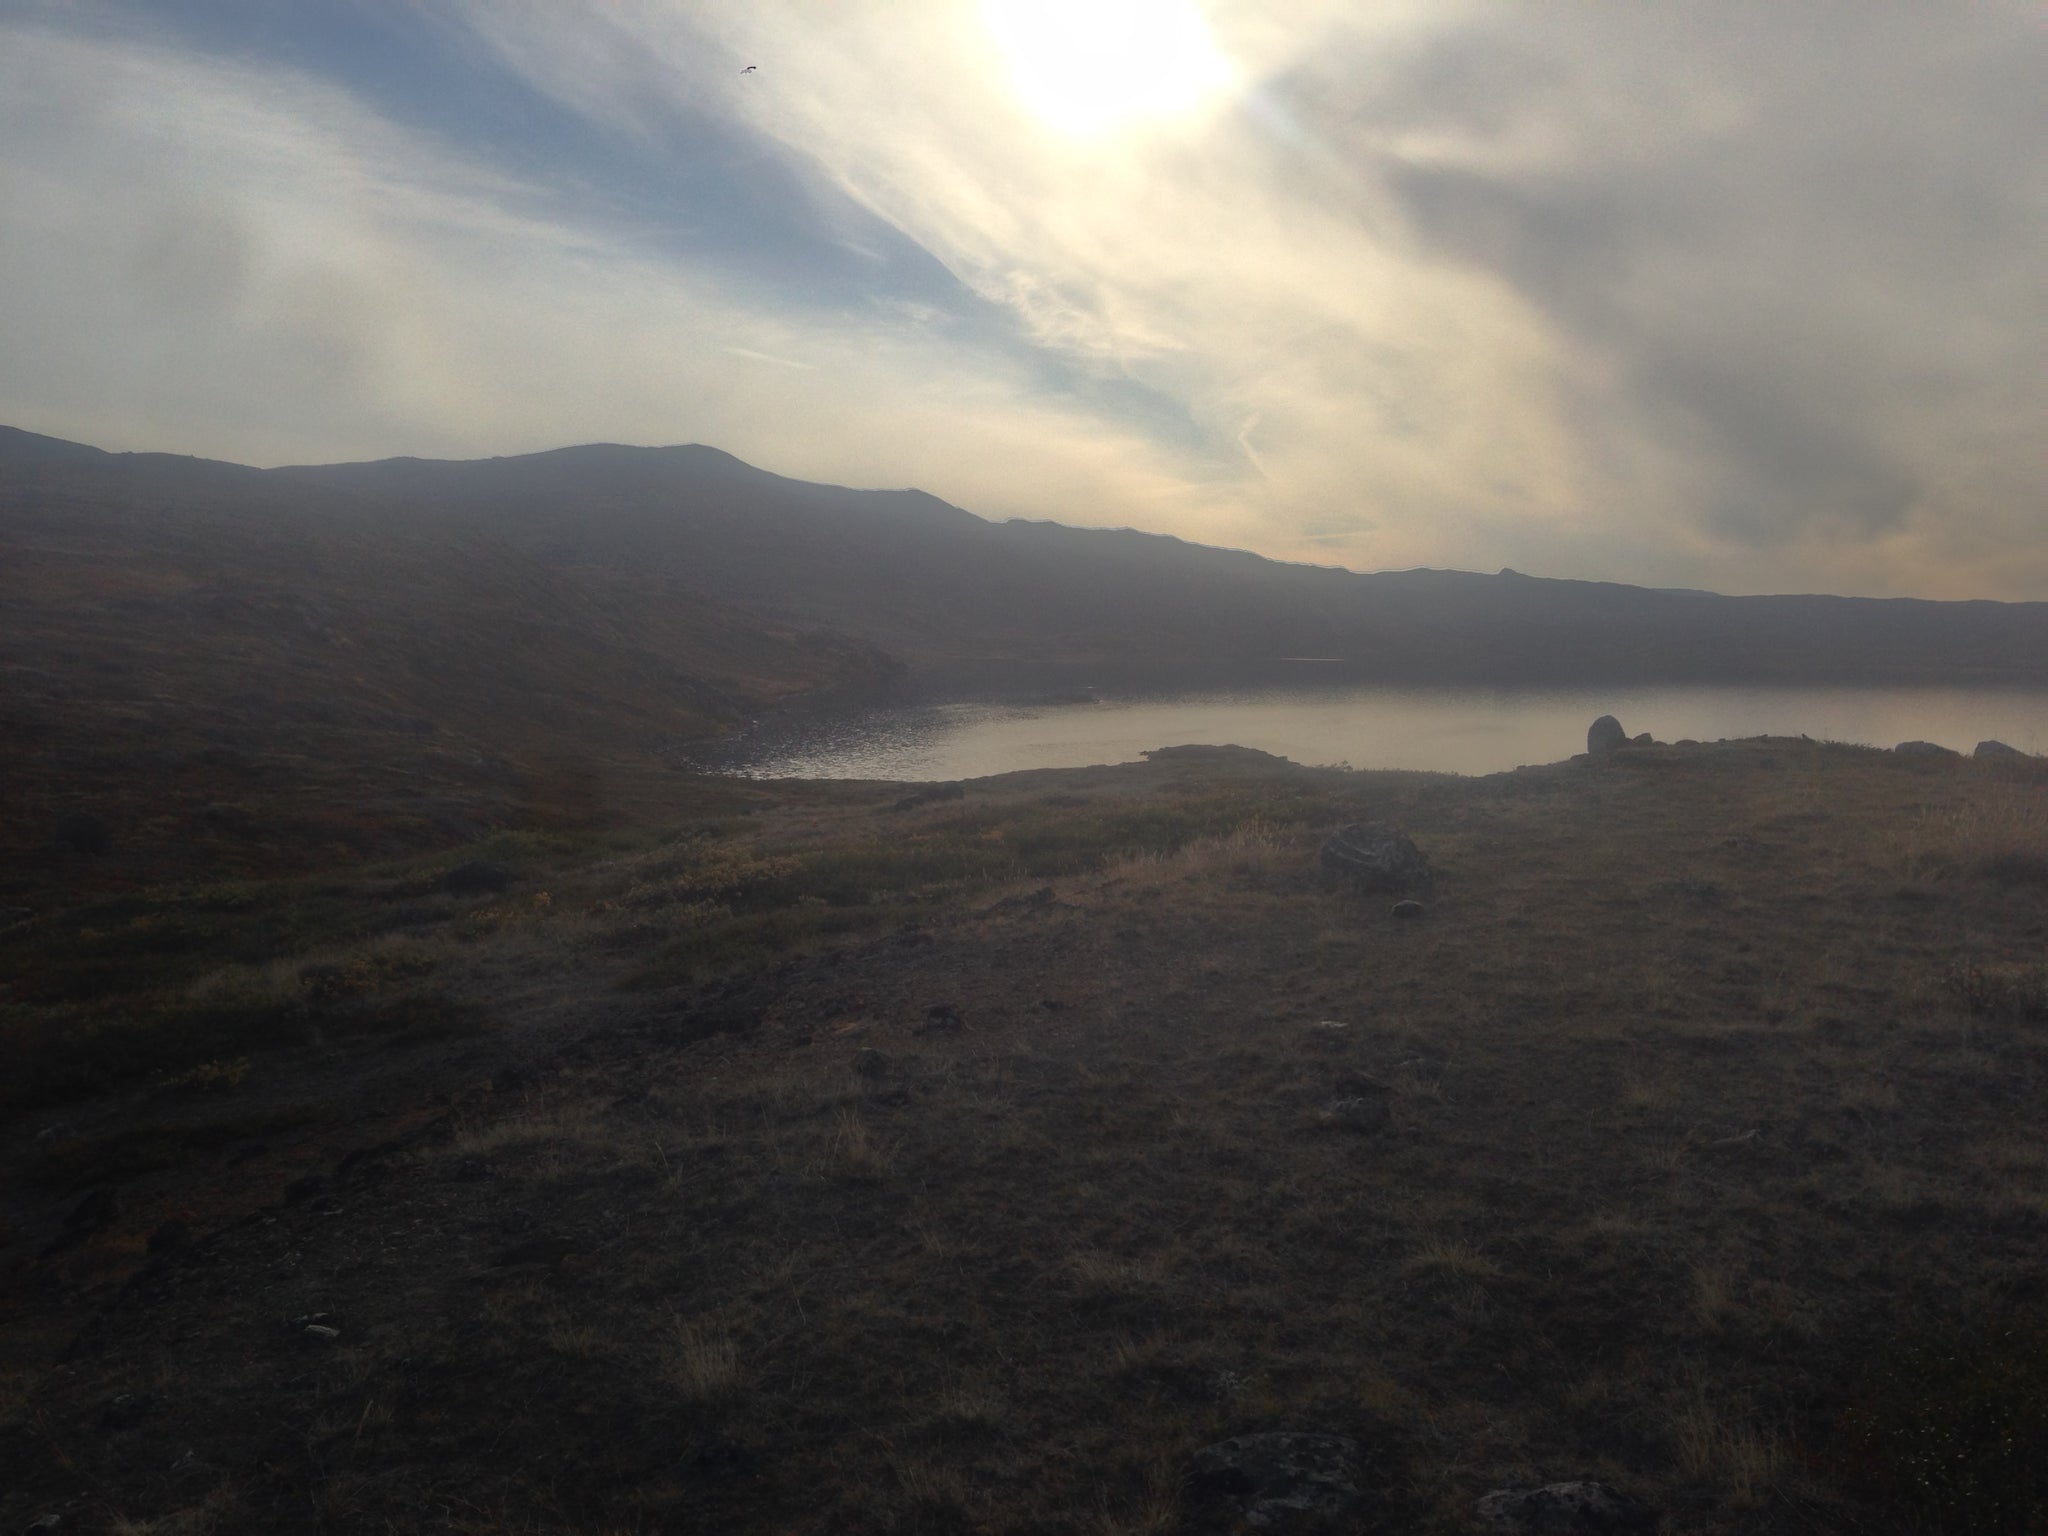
(1468, 731)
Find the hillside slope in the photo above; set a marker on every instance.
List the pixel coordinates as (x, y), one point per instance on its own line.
(220, 669)
(935, 584)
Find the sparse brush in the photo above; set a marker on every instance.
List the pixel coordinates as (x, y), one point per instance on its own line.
(970, 1405)
(853, 1150)
(1734, 1454)
(210, 1076)
(1444, 1257)
(702, 1361)
(536, 1125)
(1253, 851)
(1713, 1298)
(1999, 833)
(2019, 992)
(1107, 1272)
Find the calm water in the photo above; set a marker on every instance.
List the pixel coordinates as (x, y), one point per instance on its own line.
(1470, 731)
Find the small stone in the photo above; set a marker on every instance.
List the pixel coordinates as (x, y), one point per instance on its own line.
(95, 1212)
(129, 1409)
(83, 832)
(319, 1333)
(941, 1019)
(1408, 909)
(1605, 735)
(479, 877)
(1283, 1482)
(540, 1250)
(1362, 1115)
(1564, 1509)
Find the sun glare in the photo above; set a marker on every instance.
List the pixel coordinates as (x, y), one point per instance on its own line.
(1088, 67)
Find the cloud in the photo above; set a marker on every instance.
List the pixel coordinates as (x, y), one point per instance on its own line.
(1714, 295)
(235, 260)
(1746, 296)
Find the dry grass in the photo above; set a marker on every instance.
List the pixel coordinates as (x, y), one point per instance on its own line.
(1730, 1452)
(702, 1361)
(1687, 1112)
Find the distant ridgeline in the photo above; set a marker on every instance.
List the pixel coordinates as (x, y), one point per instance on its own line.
(931, 583)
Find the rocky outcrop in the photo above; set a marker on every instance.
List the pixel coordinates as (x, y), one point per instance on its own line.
(1281, 1482)
(1996, 749)
(1925, 749)
(1375, 857)
(1564, 1509)
(1605, 735)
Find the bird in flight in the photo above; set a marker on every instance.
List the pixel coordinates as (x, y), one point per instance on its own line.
(750, 69)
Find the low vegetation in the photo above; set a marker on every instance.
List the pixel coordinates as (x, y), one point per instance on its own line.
(826, 1162)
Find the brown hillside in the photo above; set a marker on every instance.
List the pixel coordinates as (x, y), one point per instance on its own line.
(225, 673)
(830, 1163)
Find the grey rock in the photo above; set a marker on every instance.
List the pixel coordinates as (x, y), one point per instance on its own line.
(1564, 1509)
(1376, 857)
(129, 1409)
(95, 1212)
(320, 1333)
(539, 1250)
(1605, 735)
(1282, 1482)
(1924, 749)
(1408, 909)
(1996, 749)
(479, 877)
(83, 832)
(1363, 1114)
(1643, 740)
(941, 1019)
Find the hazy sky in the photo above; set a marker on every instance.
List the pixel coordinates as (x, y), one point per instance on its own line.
(1748, 296)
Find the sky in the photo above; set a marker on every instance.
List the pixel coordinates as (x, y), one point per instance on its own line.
(1745, 296)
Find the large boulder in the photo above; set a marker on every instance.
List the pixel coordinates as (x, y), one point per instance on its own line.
(1564, 1509)
(1925, 749)
(1605, 735)
(1376, 857)
(1281, 1482)
(1996, 749)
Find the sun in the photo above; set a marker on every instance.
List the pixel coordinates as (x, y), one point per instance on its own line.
(1089, 67)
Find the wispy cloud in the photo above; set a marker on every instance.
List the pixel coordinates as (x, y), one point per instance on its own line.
(1747, 296)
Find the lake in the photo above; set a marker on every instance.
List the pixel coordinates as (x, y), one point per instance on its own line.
(1440, 729)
